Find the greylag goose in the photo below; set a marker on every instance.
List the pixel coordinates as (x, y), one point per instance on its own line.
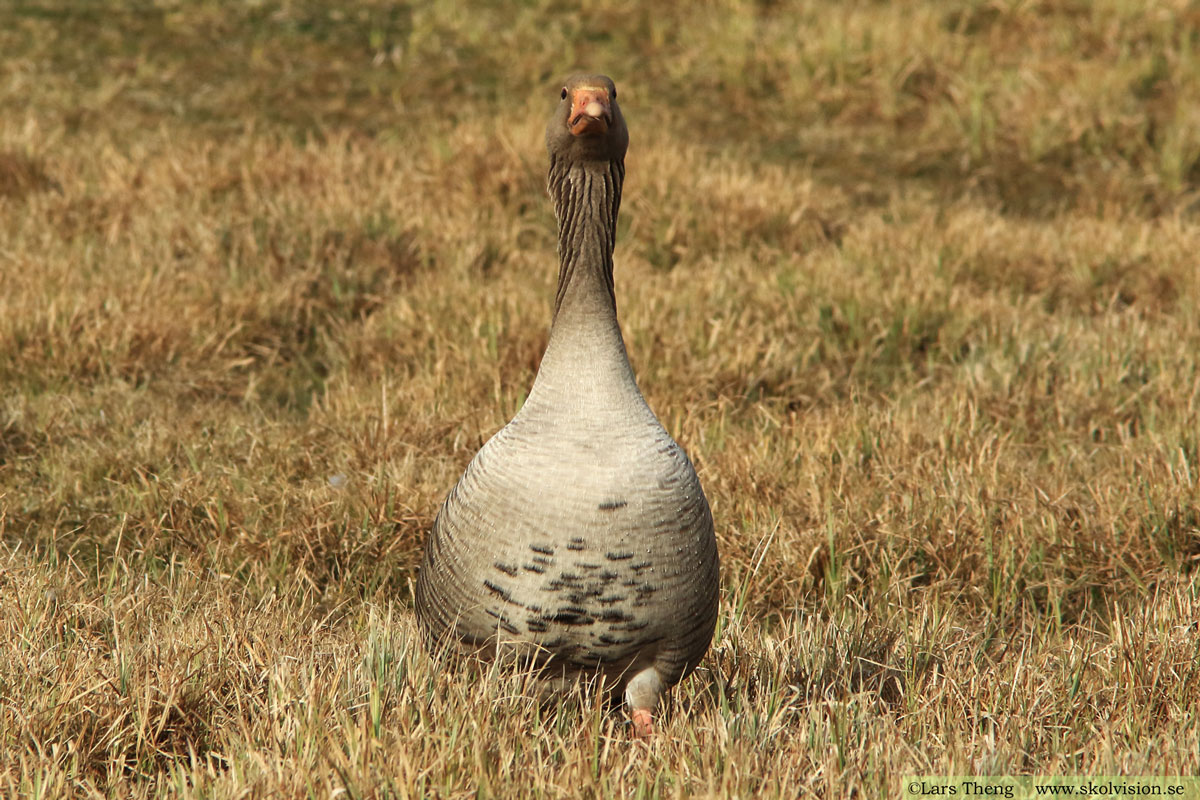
(579, 540)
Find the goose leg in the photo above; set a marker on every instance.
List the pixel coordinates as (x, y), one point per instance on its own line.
(643, 723)
(641, 696)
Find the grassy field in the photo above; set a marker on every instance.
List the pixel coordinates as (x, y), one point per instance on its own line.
(916, 285)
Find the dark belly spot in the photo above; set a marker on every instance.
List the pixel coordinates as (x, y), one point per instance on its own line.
(538, 568)
(572, 615)
(583, 595)
(496, 590)
(507, 626)
(564, 582)
(507, 569)
(631, 627)
(606, 639)
(618, 556)
(576, 544)
(543, 549)
(612, 505)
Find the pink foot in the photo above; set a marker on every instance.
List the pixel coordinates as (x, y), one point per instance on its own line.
(643, 723)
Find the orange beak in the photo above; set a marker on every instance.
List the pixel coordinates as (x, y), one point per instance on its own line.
(591, 112)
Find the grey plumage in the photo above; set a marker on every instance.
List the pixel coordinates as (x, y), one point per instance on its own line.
(579, 538)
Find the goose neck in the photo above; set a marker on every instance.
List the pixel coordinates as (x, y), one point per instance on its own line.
(587, 198)
(585, 356)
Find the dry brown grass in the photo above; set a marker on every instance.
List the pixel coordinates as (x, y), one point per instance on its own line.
(915, 284)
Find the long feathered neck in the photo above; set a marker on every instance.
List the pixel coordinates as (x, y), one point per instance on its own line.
(587, 197)
(585, 372)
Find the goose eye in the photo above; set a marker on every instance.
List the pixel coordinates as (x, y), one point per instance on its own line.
(564, 93)
(614, 94)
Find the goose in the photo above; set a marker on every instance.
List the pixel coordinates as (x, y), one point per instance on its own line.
(579, 540)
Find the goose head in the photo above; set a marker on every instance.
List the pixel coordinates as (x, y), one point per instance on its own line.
(587, 124)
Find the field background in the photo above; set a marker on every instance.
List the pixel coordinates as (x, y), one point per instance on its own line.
(916, 284)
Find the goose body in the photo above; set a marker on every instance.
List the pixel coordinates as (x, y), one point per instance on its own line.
(579, 538)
